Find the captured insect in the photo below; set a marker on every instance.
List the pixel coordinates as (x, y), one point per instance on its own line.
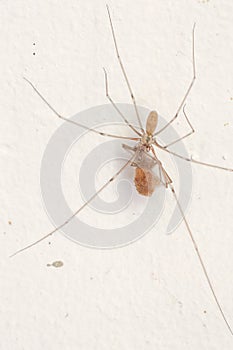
(143, 154)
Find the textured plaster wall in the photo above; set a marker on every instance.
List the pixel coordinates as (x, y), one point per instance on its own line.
(152, 294)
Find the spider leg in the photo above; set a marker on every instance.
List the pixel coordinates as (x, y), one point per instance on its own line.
(115, 106)
(79, 210)
(123, 71)
(189, 87)
(185, 136)
(75, 123)
(201, 260)
(192, 160)
(169, 184)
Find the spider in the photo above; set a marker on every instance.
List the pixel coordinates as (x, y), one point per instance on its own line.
(143, 155)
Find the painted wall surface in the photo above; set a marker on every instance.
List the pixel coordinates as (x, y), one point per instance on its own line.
(151, 294)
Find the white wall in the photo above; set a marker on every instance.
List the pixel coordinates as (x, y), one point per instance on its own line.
(151, 294)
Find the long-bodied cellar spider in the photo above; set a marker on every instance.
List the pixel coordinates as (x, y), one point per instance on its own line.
(143, 155)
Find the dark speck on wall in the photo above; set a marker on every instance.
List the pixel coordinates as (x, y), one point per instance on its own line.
(56, 264)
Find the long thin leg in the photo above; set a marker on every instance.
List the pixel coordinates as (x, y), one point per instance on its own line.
(115, 106)
(128, 148)
(124, 72)
(193, 160)
(163, 179)
(200, 260)
(188, 90)
(78, 211)
(165, 174)
(185, 136)
(160, 177)
(75, 123)
(169, 183)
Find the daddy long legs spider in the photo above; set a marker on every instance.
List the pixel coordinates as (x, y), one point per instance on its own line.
(143, 155)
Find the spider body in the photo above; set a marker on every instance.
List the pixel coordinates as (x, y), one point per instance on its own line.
(145, 159)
